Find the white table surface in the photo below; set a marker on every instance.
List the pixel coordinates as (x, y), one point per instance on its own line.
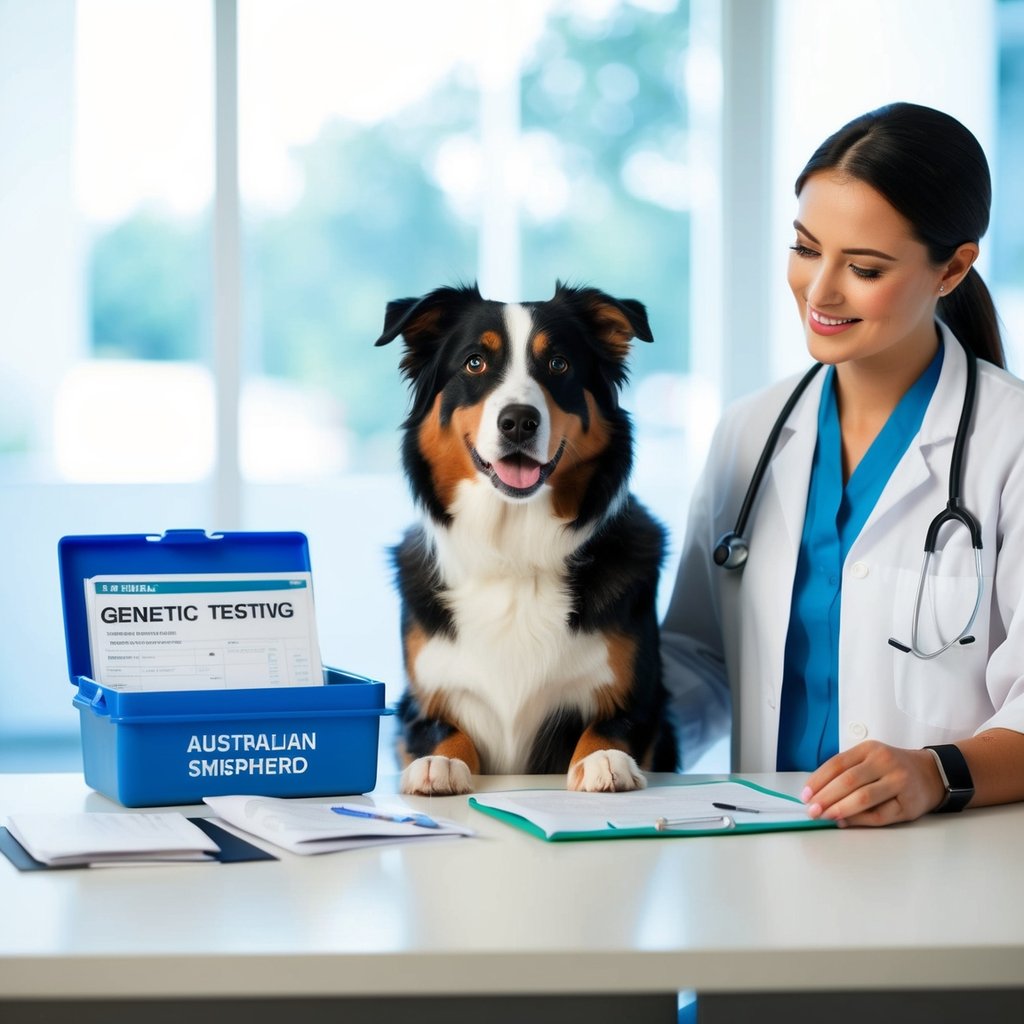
(938, 903)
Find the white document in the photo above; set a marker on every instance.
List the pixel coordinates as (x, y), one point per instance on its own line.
(308, 828)
(101, 838)
(203, 631)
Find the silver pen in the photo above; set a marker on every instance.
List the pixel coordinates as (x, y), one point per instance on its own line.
(714, 821)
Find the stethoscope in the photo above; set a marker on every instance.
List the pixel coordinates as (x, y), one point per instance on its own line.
(731, 550)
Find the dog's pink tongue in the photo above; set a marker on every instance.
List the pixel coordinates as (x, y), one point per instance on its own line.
(518, 472)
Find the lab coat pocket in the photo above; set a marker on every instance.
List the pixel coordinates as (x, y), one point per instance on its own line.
(946, 691)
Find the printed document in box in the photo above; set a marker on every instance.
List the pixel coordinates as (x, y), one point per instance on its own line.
(203, 631)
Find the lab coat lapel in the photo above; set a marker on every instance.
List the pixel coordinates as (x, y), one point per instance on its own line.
(789, 473)
(928, 455)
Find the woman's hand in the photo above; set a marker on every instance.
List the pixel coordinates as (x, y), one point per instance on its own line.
(874, 784)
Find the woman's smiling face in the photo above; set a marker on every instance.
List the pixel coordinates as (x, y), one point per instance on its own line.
(865, 287)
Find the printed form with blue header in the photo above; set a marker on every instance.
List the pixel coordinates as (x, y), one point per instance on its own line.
(203, 631)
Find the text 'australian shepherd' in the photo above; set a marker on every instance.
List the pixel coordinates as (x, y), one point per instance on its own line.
(528, 590)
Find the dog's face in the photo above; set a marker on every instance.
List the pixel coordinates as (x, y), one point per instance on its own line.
(519, 398)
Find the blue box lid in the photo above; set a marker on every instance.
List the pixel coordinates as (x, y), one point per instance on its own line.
(186, 551)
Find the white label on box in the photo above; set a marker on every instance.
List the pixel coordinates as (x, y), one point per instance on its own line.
(203, 631)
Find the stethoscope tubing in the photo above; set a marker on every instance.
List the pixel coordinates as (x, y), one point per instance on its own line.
(963, 636)
(769, 450)
(731, 549)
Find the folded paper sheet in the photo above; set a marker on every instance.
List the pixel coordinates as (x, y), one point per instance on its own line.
(65, 840)
(310, 828)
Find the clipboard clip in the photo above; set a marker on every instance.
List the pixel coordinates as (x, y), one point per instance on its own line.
(713, 821)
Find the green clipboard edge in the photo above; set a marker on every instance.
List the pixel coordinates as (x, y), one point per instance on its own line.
(525, 825)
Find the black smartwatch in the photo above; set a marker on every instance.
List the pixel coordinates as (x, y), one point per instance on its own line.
(956, 777)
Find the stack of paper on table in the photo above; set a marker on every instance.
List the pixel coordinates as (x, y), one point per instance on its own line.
(707, 808)
(308, 828)
(66, 840)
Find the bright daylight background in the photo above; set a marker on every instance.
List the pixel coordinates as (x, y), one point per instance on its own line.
(643, 146)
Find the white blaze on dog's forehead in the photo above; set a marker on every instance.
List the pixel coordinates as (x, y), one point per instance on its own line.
(519, 326)
(517, 385)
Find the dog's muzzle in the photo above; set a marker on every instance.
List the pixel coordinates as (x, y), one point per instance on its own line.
(516, 475)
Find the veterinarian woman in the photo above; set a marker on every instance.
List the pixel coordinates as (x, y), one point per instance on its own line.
(894, 679)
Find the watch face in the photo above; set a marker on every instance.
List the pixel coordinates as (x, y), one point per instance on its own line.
(956, 777)
(956, 800)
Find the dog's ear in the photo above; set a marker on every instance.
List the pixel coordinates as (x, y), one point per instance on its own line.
(610, 325)
(613, 323)
(395, 316)
(422, 321)
(416, 320)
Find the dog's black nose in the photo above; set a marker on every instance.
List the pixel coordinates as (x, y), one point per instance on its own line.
(518, 422)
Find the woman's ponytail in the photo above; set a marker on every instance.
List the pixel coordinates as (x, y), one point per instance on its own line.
(969, 312)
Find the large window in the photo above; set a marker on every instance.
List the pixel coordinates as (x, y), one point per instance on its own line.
(383, 150)
(106, 423)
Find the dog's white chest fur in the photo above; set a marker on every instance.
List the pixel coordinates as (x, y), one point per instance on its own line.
(514, 660)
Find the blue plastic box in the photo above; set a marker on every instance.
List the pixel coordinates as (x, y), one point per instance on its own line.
(147, 749)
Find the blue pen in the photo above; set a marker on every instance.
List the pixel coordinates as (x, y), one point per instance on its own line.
(412, 818)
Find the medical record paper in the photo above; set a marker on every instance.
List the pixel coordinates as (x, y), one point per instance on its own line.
(203, 631)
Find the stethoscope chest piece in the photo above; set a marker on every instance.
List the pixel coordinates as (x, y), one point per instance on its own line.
(730, 551)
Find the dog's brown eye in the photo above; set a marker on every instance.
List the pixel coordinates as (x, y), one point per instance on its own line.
(558, 365)
(476, 364)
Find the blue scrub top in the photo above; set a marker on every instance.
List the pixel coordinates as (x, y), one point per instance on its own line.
(809, 716)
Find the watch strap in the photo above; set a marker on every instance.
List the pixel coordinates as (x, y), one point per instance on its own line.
(956, 777)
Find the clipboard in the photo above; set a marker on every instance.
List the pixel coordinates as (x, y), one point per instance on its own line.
(660, 812)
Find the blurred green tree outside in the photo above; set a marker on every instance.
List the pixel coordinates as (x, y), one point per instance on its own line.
(612, 95)
(147, 288)
(603, 97)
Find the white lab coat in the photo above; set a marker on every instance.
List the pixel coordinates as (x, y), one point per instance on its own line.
(724, 635)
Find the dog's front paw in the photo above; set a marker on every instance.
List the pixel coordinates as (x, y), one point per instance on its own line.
(605, 771)
(437, 776)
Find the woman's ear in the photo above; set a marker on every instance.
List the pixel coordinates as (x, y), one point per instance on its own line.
(957, 268)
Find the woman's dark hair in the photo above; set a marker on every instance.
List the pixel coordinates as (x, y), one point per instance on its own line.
(933, 171)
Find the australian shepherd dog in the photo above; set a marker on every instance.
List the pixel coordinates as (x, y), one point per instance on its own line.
(529, 587)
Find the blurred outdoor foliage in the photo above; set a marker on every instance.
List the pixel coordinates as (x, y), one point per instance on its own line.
(600, 173)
